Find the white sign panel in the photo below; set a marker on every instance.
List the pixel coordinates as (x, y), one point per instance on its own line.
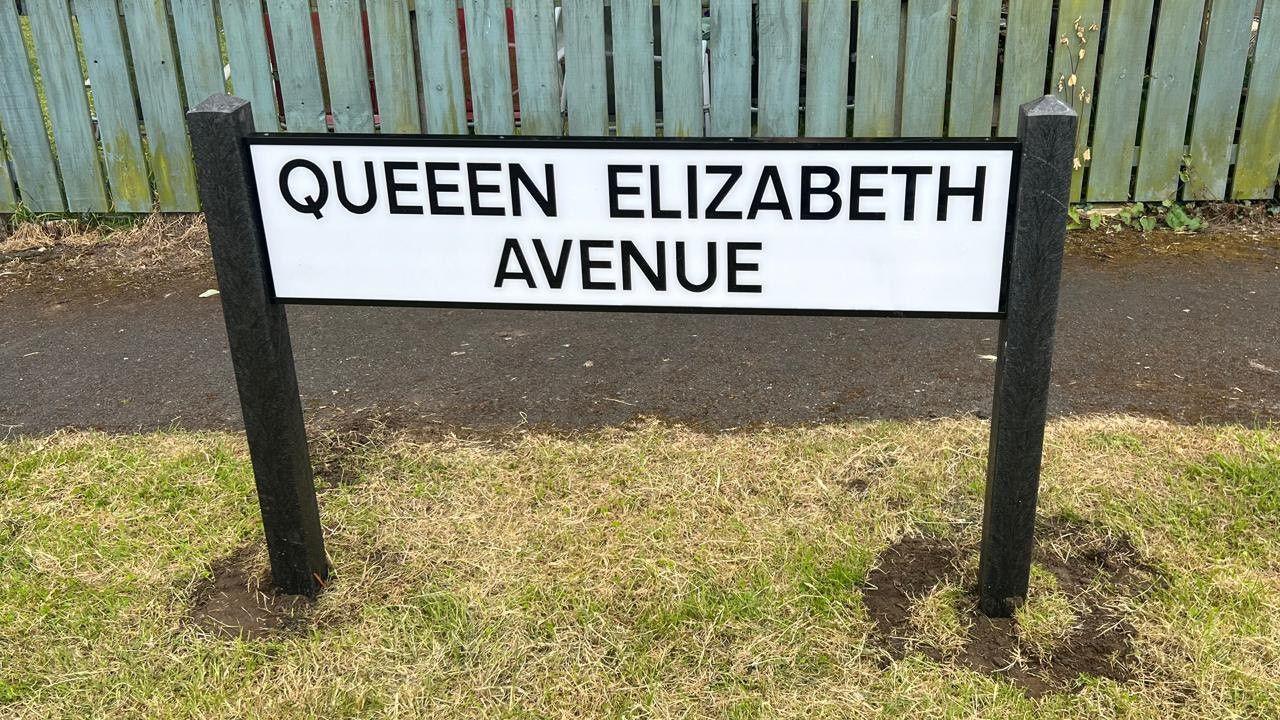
(891, 227)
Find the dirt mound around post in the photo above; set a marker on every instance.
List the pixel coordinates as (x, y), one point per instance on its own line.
(238, 600)
(1086, 572)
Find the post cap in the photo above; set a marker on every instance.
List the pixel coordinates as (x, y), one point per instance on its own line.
(219, 104)
(1047, 105)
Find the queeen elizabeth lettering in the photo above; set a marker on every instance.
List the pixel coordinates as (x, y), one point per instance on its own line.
(817, 193)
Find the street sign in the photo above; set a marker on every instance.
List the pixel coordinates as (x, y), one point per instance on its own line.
(815, 227)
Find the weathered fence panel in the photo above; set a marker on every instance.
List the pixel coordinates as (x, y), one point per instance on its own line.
(92, 91)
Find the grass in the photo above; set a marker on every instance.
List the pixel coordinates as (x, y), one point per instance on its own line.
(646, 572)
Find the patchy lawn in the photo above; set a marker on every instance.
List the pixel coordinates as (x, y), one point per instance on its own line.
(651, 571)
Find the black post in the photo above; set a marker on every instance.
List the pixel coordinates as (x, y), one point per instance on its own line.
(258, 334)
(1047, 130)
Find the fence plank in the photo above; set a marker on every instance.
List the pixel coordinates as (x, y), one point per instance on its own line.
(682, 61)
(113, 104)
(875, 68)
(1226, 47)
(1168, 99)
(198, 49)
(1074, 14)
(1259, 156)
(391, 45)
(537, 68)
(585, 86)
(925, 69)
(1120, 83)
(826, 94)
(441, 57)
(8, 199)
(490, 67)
(296, 65)
(778, 27)
(24, 131)
(250, 60)
(68, 107)
(169, 148)
(345, 70)
(1026, 54)
(730, 48)
(973, 69)
(633, 93)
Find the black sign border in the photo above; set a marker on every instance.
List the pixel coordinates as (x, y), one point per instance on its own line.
(747, 144)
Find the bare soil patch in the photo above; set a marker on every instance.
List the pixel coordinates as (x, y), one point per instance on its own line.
(1092, 569)
(239, 600)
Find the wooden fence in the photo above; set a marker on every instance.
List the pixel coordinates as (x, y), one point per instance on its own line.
(1178, 98)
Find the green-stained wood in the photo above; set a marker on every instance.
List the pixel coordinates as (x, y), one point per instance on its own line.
(730, 49)
(1258, 159)
(439, 50)
(585, 84)
(778, 27)
(24, 132)
(682, 61)
(391, 44)
(249, 60)
(1164, 123)
(875, 83)
(198, 50)
(1073, 15)
(8, 198)
(924, 82)
(1119, 100)
(633, 91)
(826, 93)
(489, 65)
(168, 147)
(1026, 54)
(76, 149)
(296, 65)
(973, 69)
(345, 70)
(1226, 48)
(122, 154)
(537, 68)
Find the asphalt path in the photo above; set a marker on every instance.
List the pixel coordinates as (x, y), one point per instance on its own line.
(1186, 338)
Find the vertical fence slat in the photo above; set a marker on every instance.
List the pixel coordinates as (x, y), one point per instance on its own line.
(198, 49)
(296, 65)
(68, 107)
(113, 104)
(1026, 54)
(537, 68)
(875, 68)
(827, 68)
(730, 68)
(633, 92)
(1067, 62)
(8, 200)
(973, 69)
(585, 86)
(778, 27)
(391, 44)
(169, 148)
(1119, 99)
(924, 80)
(1218, 99)
(1258, 158)
(24, 131)
(250, 60)
(682, 60)
(490, 67)
(441, 57)
(345, 69)
(1168, 99)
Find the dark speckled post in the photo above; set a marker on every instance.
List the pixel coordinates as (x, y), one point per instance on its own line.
(258, 334)
(1047, 130)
